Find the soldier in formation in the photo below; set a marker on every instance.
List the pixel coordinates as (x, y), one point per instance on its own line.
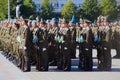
(54, 42)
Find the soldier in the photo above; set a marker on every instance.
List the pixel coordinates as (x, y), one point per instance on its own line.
(113, 45)
(105, 64)
(73, 39)
(79, 41)
(52, 49)
(87, 50)
(24, 48)
(97, 40)
(58, 39)
(42, 47)
(116, 39)
(35, 49)
(65, 46)
(29, 46)
(14, 34)
(32, 55)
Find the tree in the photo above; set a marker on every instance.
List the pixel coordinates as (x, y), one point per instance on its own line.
(46, 9)
(69, 9)
(109, 8)
(13, 5)
(4, 8)
(90, 9)
(28, 8)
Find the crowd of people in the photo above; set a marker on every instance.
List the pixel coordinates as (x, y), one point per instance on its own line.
(54, 42)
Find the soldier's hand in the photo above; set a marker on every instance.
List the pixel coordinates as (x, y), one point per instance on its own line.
(35, 46)
(49, 44)
(86, 41)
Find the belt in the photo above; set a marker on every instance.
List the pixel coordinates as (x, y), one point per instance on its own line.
(41, 41)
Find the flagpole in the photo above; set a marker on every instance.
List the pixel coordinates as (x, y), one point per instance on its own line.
(8, 9)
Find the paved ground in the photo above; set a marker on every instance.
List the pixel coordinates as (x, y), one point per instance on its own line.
(115, 64)
(9, 72)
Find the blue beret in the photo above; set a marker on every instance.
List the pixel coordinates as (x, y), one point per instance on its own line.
(34, 21)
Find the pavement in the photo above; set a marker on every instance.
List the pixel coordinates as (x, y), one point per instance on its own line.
(8, 71)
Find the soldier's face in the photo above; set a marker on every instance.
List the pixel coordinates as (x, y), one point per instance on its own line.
(48, 25)
(59, 24)
(71, 24)
(98, 23)
(85, 24)
(38, 24)
(34, 25)
(119, 23)
(29, 24)
(64, 25)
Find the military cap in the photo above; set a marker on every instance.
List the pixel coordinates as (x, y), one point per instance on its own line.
(99, 19)
(14, 21)
(37, 19)
(60, 20)
(42, 21)
(102, 18)
(29, 21)
(81, 20)
(77, 23)
(54, 20)
(86, 21)
(64, 20)
(34, 21)
(47, 21)
(105, 18)
(21, 18)
(94, 23)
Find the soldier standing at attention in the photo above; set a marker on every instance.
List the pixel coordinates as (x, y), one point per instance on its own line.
(29, 46)
(52, 48)
(80, 42)
(65, 47)
(87, 35)
(23, 47)
(116, 39)
(42, 47)
(97, 41)
(73, 39)
(35, 40)
(106, 46)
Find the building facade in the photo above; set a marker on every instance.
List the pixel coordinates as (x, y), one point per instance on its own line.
(57, 4)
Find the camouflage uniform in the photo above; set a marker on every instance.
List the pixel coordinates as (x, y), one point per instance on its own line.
(52, 45)
(73, 42)
(80, 42)
(106, 48)
(65, 49)
(116, 41)
(42, 49)
(87, 35)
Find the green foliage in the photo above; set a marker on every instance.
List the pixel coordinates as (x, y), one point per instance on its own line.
(3, 9)
(13, 4)
(28, 8)
(90, 9)
(108, 7)
(69, 9)
(119, 7)
(46, 9)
